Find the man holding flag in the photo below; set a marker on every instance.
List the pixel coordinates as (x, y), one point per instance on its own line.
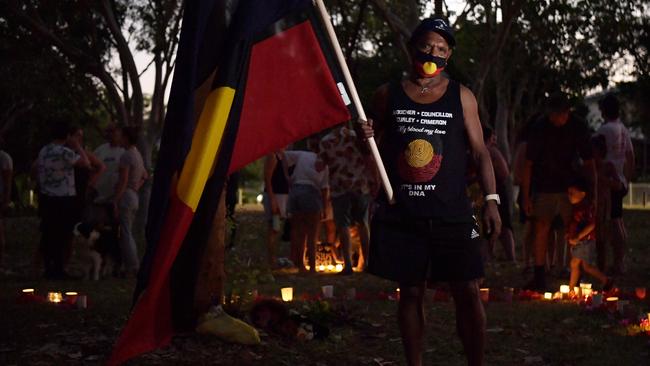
(425, 125)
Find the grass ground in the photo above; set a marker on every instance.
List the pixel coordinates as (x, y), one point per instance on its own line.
(363, 332)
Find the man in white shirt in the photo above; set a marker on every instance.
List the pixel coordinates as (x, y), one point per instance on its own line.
(110, 154)
(620, 159)
(54, 170)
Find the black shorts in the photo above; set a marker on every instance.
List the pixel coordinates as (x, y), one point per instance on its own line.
(412, 251)
(617, 203)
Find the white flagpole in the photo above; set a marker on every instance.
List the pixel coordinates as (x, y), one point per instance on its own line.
(355, 96)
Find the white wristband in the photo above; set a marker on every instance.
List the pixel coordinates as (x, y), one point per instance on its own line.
(493, 197)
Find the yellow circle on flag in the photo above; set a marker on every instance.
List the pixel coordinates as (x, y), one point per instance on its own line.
(419, 153)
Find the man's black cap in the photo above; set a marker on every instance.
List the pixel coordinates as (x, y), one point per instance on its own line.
(435, 24)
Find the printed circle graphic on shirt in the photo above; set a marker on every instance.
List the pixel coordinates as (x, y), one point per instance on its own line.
(419, 163)
(419, 153)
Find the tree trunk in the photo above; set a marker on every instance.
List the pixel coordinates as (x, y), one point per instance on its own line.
(211, 276)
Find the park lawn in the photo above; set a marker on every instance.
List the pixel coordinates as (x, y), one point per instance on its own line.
(363, 332)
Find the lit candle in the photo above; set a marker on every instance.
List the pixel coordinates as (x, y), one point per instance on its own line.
(576, 291)
(585, 285)
(28, 291)
(548, 296)
(339, 267)
(564, 291)
(31, 197)
(328, 291)
(330, 267)
(71, 297)
(54, 297)
(287, 294)
(397, 293)
(321, 268)
(586, 292)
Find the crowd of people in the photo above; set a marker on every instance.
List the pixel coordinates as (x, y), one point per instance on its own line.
(549, 171)
(81, 191)
(327, 185)
(330, 187)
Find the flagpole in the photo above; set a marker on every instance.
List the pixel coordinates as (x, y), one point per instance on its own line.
(355, 97)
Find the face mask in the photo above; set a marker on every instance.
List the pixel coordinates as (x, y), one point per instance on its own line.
(428, 66)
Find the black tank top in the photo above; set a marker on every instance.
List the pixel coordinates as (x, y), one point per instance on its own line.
(424, 149)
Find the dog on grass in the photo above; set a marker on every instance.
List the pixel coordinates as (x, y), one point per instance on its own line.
(94, 263)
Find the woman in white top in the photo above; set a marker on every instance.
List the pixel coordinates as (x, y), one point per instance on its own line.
(132, 175)
(308, 193)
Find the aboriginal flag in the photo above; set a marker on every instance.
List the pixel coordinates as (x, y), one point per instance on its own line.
(239, 91)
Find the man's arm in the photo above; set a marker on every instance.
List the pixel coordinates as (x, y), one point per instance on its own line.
(97, 167)
(481, 155)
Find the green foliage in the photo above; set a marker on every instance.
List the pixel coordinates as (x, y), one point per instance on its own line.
(35, 74)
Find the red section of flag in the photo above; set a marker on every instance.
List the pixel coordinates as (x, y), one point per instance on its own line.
(290, 94)
(150, 324)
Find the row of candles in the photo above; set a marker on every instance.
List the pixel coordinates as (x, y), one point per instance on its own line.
(71, 297)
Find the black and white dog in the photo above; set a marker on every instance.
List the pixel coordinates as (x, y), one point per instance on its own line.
(94, 263)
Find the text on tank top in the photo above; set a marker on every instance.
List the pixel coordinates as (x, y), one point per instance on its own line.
(425, 151)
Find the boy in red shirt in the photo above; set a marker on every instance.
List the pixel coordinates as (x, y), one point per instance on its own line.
(581, 235)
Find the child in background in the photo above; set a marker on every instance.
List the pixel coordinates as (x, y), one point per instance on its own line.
(581, 236)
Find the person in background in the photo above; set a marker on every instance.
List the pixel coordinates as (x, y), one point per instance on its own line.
(54, 172)
(502, 178)
(6, 178)
(349, 189)
(276, 193)
(550, 168)
(581, 236)
(620, 155)
(132, 175)
(85, 178)
(519, 162)
(109, 153)
(308, 195)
